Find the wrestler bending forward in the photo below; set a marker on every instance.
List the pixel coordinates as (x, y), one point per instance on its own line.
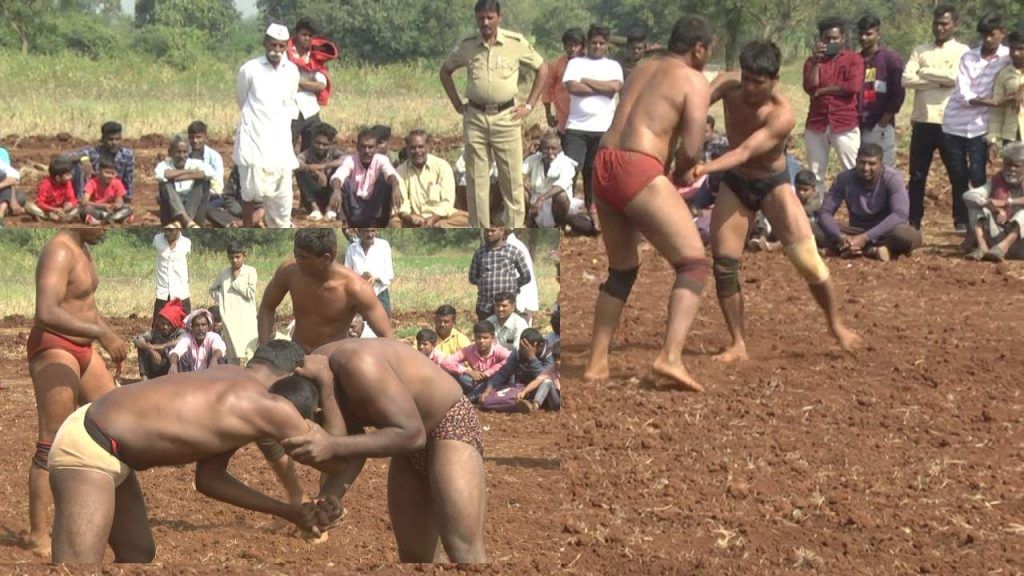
(664, 103)
(758, 122)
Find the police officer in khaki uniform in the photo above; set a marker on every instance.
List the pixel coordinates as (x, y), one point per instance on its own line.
(491, 117)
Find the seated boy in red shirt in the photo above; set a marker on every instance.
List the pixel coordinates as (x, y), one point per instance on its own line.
(103, 197)
(55, 196)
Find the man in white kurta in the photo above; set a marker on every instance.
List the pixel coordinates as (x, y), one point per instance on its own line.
(370, 257)
(528, 300)
(234, 292)
(265, 91)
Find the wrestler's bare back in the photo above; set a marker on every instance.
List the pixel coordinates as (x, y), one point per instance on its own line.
(62, 255)
(183, 418)
(743, 119)
(365, 368)
(652, 107)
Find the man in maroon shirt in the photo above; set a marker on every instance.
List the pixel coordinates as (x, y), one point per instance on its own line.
(833, 77)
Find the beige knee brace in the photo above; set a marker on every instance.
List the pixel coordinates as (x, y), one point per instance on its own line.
(804, 256)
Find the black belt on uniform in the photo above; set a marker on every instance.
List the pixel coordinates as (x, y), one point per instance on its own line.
(492, 108)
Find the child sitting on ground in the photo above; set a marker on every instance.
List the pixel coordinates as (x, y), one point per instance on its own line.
(103, 197)
(426, 343)
(55, 197)
(200, 348)
(153, 346)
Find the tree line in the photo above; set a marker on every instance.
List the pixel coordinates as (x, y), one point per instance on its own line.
(383, 31)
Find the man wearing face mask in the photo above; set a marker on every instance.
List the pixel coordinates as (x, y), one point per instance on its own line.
(265, 91)
(878, 206)
(833, 77)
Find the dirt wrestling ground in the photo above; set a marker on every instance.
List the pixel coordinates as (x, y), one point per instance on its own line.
(907, 457)
(32, 154)
(521, 463)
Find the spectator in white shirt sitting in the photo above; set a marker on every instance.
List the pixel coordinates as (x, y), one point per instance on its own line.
(370, 257)
(508, 326)
(200, 348)
(172, 250)
(184, 186)
(548, 176)
(200, 151)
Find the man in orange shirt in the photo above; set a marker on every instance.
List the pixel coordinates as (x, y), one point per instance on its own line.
(555, 95)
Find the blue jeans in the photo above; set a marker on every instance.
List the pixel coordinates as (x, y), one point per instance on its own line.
(547, 396)
(968, 158)
(471, 389)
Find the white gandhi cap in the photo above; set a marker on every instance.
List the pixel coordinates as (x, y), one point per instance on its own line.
(278, 32)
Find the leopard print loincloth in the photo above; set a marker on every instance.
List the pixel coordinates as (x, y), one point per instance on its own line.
(461, 423)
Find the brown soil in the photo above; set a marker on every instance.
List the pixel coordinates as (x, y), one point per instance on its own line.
(903, 458)
(523, 484)
(32, 155)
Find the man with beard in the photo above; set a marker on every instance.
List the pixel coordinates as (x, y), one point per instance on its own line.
(996, 210)
(664, 103)
(265, 92)
(755, 177)
(67, 372)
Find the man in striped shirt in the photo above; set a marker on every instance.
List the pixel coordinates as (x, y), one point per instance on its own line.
(965, 123)
(496, 267)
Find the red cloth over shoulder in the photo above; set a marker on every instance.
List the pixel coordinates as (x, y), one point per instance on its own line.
(321, 51)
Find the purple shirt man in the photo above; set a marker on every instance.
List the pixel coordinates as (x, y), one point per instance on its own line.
(878, 204)
(882, 95)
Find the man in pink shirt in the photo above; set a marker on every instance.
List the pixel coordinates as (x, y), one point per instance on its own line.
(365, 189)
(474, 365)
(833, 78)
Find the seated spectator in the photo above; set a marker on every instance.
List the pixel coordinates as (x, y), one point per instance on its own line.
(715, 143)
(450, 339)
(545, 391)
(12, 201)
(428, 188)
(184, 186)
(554, 337)
(200, 348)
(55, 196)
(528, 299)
(878, 205)
(225, 211)
(547, 179)
(383, 135)
(316, 164)
(496, 267)
(529, 361)
(508, 325)
(199, 150)
(154, 345)
(365, 188)
(103, 197)
(996, 210)
(426, 343)
(475, 365)
(86, 162)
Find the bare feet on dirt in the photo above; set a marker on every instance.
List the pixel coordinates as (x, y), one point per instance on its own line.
(597, 372)
(676, 372)
(732, 354)
(848, 339)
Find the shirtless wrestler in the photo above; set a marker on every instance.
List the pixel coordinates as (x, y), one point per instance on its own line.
(758, 121)
(201, 417)
(325, 298)
(663, 104)
(424, 423)
(66, 370)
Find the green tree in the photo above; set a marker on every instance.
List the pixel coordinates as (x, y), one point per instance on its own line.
(212, 16)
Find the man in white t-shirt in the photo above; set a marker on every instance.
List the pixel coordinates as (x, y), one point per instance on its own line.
(593, 83)
(370, 257)
(172, 250)
(265, 92)
(548, 175)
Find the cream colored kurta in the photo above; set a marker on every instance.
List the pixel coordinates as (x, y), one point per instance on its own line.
(237, 301)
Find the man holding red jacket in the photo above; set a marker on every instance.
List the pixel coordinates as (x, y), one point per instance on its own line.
(311, 54)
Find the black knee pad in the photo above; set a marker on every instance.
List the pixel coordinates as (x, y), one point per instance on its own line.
(727, 276)
(620, 283)
(691, 273)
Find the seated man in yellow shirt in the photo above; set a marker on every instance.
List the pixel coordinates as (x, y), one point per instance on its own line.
(428, 188)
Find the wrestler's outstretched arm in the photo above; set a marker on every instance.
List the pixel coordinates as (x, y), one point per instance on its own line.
(723, 83)
(771, 135)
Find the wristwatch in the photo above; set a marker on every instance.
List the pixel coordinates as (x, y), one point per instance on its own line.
(528, 106)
